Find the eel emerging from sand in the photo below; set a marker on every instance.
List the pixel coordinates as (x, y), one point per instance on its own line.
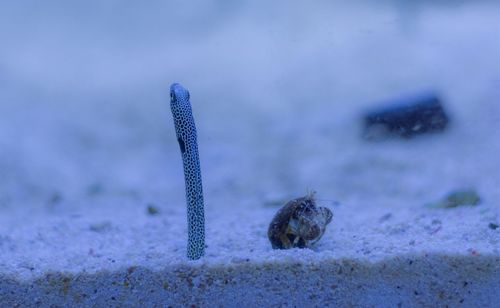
(186, 136)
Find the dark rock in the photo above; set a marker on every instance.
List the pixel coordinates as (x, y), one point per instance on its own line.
(406, 117)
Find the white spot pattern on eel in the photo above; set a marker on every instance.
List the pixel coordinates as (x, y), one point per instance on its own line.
(186, 136)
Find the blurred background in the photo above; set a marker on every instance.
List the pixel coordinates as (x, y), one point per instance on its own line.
(277, 90)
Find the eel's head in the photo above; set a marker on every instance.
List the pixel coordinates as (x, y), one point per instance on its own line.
(178, 93)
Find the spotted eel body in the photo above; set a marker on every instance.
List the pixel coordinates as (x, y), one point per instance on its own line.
(186, 136)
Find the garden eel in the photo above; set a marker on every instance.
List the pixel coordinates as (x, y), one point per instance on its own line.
(186, 136)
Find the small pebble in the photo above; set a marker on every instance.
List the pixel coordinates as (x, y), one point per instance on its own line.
(152, 210)
(101, 227)
(238, 260)
(385, 217)
(458, 198)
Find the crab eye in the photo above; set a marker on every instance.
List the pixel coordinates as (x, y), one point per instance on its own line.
(172, 96)
(188, 96)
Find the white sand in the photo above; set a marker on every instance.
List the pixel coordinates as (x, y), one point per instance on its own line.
(76, 178)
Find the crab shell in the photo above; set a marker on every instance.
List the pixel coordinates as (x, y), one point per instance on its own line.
(299, 223)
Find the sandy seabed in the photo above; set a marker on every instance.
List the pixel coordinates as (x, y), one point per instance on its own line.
(84, 155)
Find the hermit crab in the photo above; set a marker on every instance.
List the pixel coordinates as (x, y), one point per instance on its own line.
(299, 223)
